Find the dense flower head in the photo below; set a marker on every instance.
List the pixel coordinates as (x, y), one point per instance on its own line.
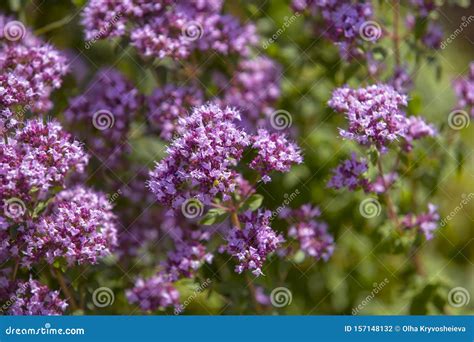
(105, 18)
(29, 75)
(350, 173)
(226, 35)
(254, 89)
(33, 298)
(37, 157)
(168, 28)
(464, 88)
(274, 153)
(383, 183)
(166, 105)
(30, 70)
(425, 222)
(154, 293)
(312, 234)
(105, 111)
(79, 228)
(188, 255)
(342, 23)
(253, 242)
(417, 128)
(374, 114)
(199, 162)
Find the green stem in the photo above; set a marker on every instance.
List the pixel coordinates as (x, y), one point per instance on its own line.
(54, 25)
(392, 212)
(65, 288)
(15, 269)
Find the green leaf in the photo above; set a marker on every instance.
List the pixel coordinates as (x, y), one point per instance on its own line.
(214, 216)
(253, 202)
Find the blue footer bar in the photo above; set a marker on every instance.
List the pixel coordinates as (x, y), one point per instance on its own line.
(237, 328)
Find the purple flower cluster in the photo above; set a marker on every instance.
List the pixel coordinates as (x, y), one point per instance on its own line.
(36, 158)
(31, 298)
(199, 161)
(417, 128)
(166, 105)
(426, 222)
(103, 113)
(79, 227)
(434, 36)
(189, 252)
(154, 293)
(168, 28)
(187, 257)
(375, 116)
(342, 23)
(401, 81)
(274, 153)
(30, 71)
(312, 235)
(253, 242)
(351, 174)
(373, 113)
(464, 88)
(254, 90)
